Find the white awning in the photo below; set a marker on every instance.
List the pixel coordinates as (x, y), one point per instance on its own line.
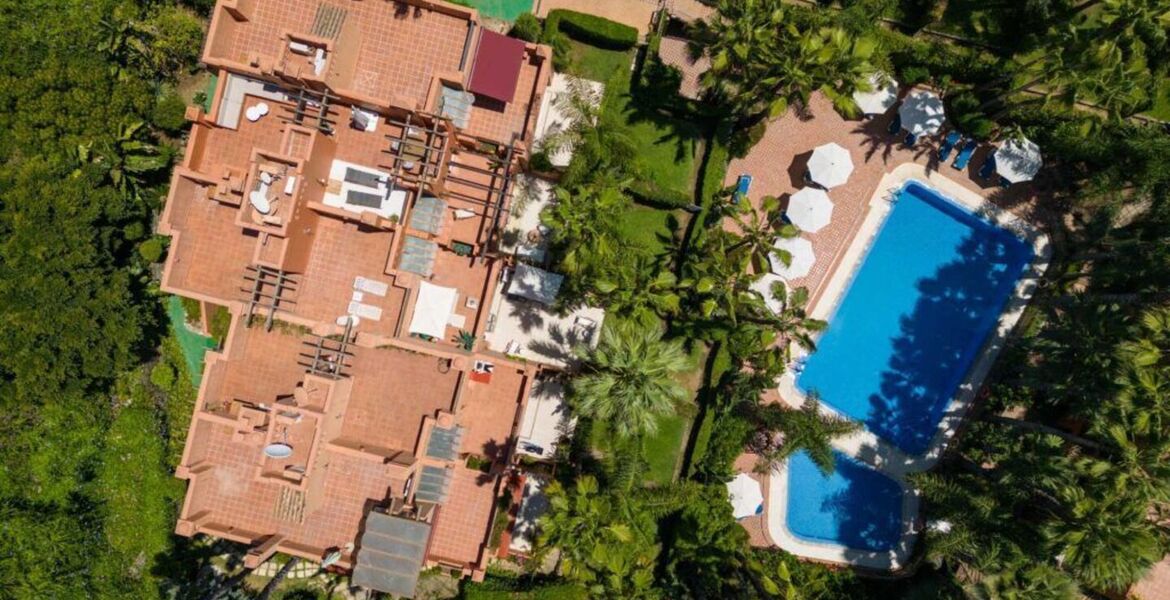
(433, 309)
(802, 261)
(535, 284)
(830, 165)
(882, 95)
(922, 113)
(810, 209)
(745, 495)
(1018, 160)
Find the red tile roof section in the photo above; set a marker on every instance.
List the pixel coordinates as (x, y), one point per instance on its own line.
(497, 66)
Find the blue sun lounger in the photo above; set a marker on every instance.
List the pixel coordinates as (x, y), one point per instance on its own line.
(910, 140)
(944, 151)
(988, 167)
(895, 125)
(964, 156)
(741, 188)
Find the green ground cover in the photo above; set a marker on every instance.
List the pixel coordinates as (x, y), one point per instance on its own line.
(1161, 108)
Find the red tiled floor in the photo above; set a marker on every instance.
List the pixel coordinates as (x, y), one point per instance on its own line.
(392, 392)
(400, 48)
(343, 251)
(777, 165)
(261, 366)
(211, 252)
(674, 52)
(461, 525)
(488, 411)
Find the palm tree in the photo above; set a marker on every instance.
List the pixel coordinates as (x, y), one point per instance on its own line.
(584, 234)
(606, 542)
(642, 288)
(762, 60)
(1106, 540)
(1036, 581)
(630, 379)
(758, 229)
(792, 319)
(785, 431)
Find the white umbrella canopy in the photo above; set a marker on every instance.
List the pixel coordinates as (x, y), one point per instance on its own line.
(1018, 160)
(800, 250)
(830, 165)
(882, 95)
(745, 496)
(922, 113)
(810, 209)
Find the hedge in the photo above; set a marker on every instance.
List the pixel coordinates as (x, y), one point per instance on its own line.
(656, 195)
(591, 29)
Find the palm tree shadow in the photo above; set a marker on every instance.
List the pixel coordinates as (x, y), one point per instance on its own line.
(956, 311)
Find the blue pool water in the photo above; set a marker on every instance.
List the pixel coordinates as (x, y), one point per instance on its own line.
(920, 306)
(856, 506)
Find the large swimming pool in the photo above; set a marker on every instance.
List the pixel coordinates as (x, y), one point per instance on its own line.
(903, 337)
(856, 506)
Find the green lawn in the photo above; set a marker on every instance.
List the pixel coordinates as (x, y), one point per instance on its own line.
(667, 146)
(650, 229)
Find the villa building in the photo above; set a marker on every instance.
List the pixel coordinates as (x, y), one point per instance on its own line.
(343, 199)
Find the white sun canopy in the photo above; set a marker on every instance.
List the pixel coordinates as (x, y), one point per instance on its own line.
(803, 258)
(763, 287)
(1018, 160)
(922, 113)
(433, 310)
(745, 496)
(810, 209)
(882, 95)
(830, 165)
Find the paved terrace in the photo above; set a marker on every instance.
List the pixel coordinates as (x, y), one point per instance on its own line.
(777, 165)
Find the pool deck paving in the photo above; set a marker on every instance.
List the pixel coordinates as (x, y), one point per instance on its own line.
(882, 165)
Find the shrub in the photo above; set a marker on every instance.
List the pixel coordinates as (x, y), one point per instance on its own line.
(170, 113)
(221, 321)
(653, 194)
(540, 162)
(177, 40)
(562, 57)
(151, 250)
(526, 27)
(592, 29)
(192, 308)
(162, 376)
(743, 141)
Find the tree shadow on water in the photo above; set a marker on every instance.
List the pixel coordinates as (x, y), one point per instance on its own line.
(958, 307)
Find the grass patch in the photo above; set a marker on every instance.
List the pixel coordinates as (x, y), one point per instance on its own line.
(649, 229)
(663, 450)
(598, 64)
(506, 10)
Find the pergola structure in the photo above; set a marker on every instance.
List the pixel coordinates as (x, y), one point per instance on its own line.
(493, 194)
(417, 151)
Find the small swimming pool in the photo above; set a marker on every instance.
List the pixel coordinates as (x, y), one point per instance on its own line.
(921, 304)
(856, 507)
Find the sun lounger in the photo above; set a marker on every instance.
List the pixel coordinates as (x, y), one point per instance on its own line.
(944, 151)
(895, 125)
(988, 167)
(741, 188)
(371, 286)
(910, 140)
(964, 156)
(364, 311)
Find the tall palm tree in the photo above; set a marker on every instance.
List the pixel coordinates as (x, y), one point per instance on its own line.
(630, 379)
(785, 431)
(643, 288)
(1106, 540)
(758, 229)
(606, 542)
(584, 234)
(1036, 581)
(762, 59)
